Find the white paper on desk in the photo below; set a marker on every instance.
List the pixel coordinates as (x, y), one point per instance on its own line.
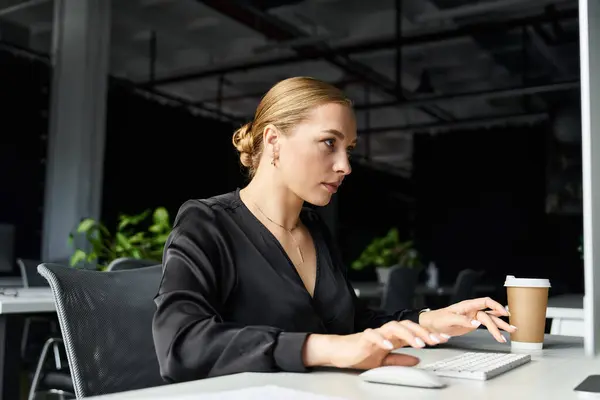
(269, 392)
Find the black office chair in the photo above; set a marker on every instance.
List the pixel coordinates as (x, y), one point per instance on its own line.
(124, 263)
(56, 378)
(464, 286)
(399, 290)
(106, 320)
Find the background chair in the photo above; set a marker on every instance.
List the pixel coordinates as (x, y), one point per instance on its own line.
(31, 279)
(464, 286)
(399, 290)
(54, 378)
(106, 320)
(123, 263)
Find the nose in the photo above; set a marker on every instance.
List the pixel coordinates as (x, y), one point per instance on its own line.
(342, 165)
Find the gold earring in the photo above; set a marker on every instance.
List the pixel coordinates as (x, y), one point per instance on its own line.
(273, 160)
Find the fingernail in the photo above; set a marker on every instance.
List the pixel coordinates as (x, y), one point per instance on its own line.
(388, 345)
(475, 322)
(420, 342)
(503, 339)
(445, 336)
(514, 327)
(435, 338)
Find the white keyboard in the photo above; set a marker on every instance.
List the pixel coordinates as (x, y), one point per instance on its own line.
(478, 366)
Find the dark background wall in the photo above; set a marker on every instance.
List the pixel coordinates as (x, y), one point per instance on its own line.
(24, 103)
(161, 155)
(481, 204)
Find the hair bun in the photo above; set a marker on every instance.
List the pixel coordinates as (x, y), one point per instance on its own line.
(244, 143)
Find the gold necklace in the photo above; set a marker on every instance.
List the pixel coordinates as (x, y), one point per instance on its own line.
(287, 230)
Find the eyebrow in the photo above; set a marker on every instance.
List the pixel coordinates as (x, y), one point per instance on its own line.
(339, 134)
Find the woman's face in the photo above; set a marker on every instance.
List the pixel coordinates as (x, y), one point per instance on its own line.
(313, 159)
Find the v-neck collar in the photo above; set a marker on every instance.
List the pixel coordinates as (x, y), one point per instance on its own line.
(313, 233)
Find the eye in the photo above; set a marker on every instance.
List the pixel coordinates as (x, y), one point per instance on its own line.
(329, 143)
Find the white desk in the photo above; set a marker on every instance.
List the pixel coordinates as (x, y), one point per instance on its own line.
(566, 312)
(552, 374)
(13, 310)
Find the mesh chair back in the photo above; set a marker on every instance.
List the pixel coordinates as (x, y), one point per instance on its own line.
(399, 290)
(123, 263)
(29, 273)
(464, 287)
(106, 321)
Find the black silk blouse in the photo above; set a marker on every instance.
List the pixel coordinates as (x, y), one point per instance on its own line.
(231, 301)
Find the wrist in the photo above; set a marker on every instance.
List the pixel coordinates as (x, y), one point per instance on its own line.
(318, 350)
(424, 317)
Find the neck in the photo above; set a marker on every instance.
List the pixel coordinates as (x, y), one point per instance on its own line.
(273, 199)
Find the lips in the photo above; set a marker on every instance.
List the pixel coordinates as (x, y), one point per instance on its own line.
(332, 186)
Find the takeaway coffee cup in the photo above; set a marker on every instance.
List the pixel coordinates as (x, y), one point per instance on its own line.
(527, 303)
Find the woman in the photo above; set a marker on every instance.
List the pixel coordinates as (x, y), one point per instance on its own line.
(252, 280)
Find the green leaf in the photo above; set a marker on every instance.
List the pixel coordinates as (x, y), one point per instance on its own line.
(161, 239)
(137, 238)
(136, 253)
(122, 241)
(127, 220)
(77, 257)
(155, 228)
(86, 225)
(161, 216)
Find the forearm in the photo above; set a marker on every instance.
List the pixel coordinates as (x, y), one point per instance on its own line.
(317, 350)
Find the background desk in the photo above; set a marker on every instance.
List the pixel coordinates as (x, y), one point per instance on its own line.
(13, 310)
(552, 374)
(566, 312)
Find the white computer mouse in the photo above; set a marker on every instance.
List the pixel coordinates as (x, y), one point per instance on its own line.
(405, 376)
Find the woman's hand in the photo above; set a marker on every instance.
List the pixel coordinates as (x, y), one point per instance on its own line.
(371, 348)
(466, 316)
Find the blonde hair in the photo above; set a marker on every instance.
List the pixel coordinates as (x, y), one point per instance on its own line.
(285, 105)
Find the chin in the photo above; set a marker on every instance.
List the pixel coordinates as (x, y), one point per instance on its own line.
(318, 199)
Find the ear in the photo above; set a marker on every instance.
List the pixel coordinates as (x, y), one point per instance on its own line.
(271, 136)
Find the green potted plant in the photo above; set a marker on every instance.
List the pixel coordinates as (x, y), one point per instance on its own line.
(135, 236)
(386, 252)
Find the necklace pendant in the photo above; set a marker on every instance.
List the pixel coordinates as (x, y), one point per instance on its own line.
(300, 254)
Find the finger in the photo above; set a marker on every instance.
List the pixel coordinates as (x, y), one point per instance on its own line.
(377, 339)
(400, 359)
(466, 306)
(460, 320)
(404, 334)
(491, 326)
(430, 338)
(503, 324)
(497, 314)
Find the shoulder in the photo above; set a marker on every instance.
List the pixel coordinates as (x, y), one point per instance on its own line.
(203, 214)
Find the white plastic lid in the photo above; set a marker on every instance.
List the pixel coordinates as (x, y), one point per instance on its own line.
(511, 281)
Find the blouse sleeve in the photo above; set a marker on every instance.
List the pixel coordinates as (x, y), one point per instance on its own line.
(191, 338)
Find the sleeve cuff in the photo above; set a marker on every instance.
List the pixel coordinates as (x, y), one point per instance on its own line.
(411, 315)
(288, 351)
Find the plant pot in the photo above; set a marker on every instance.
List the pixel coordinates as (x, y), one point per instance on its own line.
(383, 274)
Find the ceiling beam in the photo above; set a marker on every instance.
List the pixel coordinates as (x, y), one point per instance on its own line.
(279, 30)
(21, 6)
(477, 95)
(364, 46)
(437, 127)
(477, 9)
